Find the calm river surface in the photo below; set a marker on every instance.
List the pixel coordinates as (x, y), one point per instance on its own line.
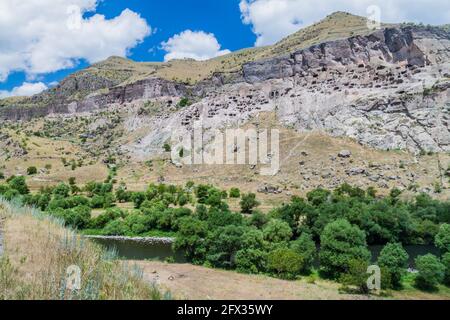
(134, 250)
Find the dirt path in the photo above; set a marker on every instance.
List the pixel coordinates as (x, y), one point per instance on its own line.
(192, 282)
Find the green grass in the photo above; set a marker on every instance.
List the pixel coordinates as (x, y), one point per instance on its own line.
(408, 283)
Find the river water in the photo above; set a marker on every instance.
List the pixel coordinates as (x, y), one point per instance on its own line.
(137, 250)
(134, 250)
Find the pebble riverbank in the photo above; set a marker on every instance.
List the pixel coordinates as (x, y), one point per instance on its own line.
(147, 240)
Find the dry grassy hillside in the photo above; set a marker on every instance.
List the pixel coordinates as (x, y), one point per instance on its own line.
(336, 26)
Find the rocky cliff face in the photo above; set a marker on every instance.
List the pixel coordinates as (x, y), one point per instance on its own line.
(389, 90)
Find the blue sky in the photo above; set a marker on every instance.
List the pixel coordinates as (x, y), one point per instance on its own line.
(41, 42)
(222, 18)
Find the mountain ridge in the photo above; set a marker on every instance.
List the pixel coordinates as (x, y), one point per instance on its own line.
(121, 71)
(383, 95)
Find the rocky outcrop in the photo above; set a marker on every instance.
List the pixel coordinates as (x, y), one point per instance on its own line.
(389, 90)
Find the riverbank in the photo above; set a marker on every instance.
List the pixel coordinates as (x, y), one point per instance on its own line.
(190, 282)
(186, 281)
(38, 252)
(143, 240)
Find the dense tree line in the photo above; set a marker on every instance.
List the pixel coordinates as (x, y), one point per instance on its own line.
(283, 243)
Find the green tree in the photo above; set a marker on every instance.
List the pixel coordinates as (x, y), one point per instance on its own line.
(223, 244)
(248, 203)
(184, 102)
(167, 147)
(235, 193)
(356, 276)
(446, 263)
(103, 219)
(442, 239)
(258, 219)
(116, 228)
(122, 195)
(431, 272)
(277, 231)
(306, 248)
(19, 184)
(318, 196)
(202, 193)
(285, 263)
(182, 200)
(62, 190)
(341, 243)
(394, 259)
(138, 198)
(191, 237)
(251, 261)
(31, 171)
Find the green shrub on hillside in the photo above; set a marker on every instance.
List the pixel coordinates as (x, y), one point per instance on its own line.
(285, 263)
(31, 171)
(442, 239)
(394, 259)
(431, 272)
(341, 243)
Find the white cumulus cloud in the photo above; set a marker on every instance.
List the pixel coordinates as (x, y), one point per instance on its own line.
(273, 20)
(197, 45)
(43, 36)
(25, 90)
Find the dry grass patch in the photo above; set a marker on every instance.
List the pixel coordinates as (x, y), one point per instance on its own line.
(38, 251)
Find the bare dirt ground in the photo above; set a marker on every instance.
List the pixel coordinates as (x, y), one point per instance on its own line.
(190, 282)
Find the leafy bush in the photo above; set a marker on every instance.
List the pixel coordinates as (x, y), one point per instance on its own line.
(235, 193)
(167, 147)
(446, 263)
(285, 263)
(190, 238)
(97, 202)
(431, 272)
(251, 261)
(277, 231)
(116, 228)
(182, 200)
(19, 184)
(394, 259)
(248, 203)
(138, 198)
(442, 239)
(356, 276)
(62, 190)
(222, 245)
(202, 193)
(258, 219)
(109, 215)
(341, 243)
(184, 102)
(306, 248)
(122, 195)
(31, 171)
(318, 196)
(78, 217)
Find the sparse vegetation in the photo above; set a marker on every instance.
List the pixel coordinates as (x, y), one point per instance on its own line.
(40, 248)
(31, 171)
